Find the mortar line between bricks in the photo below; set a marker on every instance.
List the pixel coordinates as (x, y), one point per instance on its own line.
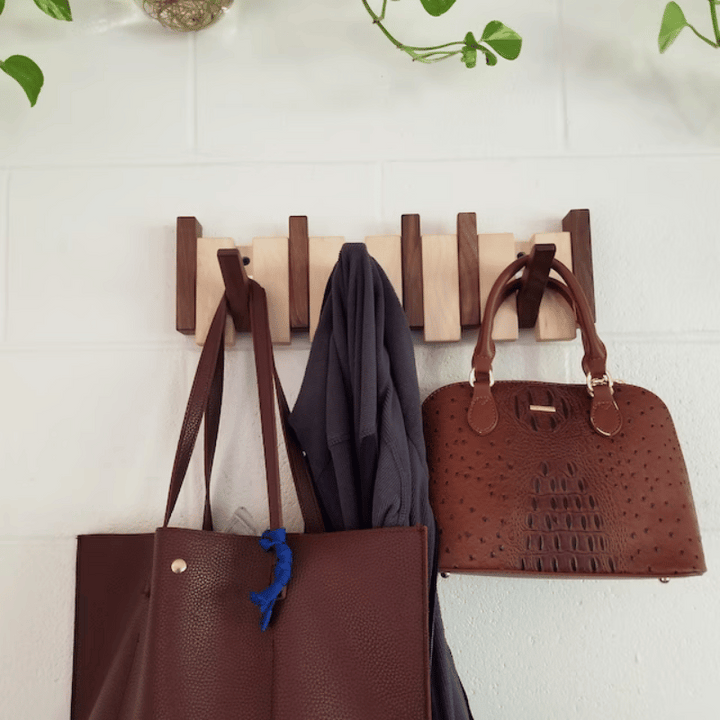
(563, 79)
(209, 162)
(300, 342)
(193, 97)
(6, 268)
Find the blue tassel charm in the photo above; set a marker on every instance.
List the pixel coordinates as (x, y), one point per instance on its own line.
(265, 599)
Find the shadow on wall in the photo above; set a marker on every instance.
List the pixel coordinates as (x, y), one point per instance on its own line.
(674, 94)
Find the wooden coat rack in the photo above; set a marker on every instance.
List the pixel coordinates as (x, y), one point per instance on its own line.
(442, 280)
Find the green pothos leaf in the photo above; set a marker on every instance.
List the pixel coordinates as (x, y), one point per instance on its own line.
(490, 57)
(469, 56)
(58, 9)
(2, 5)
(27, 73)
(437, 7)
(502, 39)
(672, 24)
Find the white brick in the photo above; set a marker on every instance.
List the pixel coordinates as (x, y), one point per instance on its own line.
(116, 86)
(92, 251)
(3, 253)
(623, 95)
(322, 83)
(654, 238)
(89, 442)
(37, 597)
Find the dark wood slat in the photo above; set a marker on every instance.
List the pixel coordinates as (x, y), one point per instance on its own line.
(533, 283)
(237, 285)
(188, 230)
(577, 223)
(467, 239)
(412, 271)
(299, 273)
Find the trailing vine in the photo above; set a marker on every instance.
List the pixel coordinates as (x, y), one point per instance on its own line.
(496, 37)
(21, 68)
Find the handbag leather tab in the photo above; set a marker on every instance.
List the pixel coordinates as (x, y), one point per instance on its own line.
(605, 415)
(482, 414)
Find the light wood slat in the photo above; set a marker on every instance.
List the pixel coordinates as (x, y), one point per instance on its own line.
(441, 288)
(495, 252)
(210, 288)
(270, 267)
(556, 320)
(387, 250)
(323, 254)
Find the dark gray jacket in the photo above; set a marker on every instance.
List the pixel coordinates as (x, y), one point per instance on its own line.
(358, 419)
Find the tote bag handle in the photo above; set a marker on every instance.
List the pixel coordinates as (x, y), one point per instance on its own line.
(604, 413)
(205, 401)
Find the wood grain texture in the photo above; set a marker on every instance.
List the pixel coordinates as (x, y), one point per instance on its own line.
(299, 273)
(323, 254)
(188, 230)
(387, 250)
(469, 269)
(556, 319)
(441, 288)
(271, 269)
(533, 284)
(412, 265)
(210, 287)
(577, 223)
(495, 252)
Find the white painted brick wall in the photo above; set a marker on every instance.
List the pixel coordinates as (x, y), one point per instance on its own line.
(303, 108)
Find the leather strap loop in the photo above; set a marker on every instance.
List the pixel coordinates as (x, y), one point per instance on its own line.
(595, 352)
(482, 414)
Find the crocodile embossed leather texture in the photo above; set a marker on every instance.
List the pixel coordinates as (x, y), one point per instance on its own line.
(543, 493)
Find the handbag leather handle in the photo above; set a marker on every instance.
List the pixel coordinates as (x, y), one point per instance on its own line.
(205, 400)
(604, 413)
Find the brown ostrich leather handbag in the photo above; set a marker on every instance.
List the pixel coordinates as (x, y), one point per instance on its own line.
(535, 478)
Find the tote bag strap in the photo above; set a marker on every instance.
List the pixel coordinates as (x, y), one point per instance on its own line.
(205, 400)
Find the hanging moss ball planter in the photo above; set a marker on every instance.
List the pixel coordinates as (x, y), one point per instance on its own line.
(185, 15)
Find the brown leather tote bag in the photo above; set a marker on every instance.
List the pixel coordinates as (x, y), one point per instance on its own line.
(535, 478)
(165, 626)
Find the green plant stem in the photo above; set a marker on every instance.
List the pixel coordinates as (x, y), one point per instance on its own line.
(377, 19)
(421, 54)
(437, 56)
(381, 17)
(716, 27)
(703, 38)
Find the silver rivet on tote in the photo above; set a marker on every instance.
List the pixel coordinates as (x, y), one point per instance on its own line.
(178, 566)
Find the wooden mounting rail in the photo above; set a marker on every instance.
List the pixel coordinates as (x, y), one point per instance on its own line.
(469, 257)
